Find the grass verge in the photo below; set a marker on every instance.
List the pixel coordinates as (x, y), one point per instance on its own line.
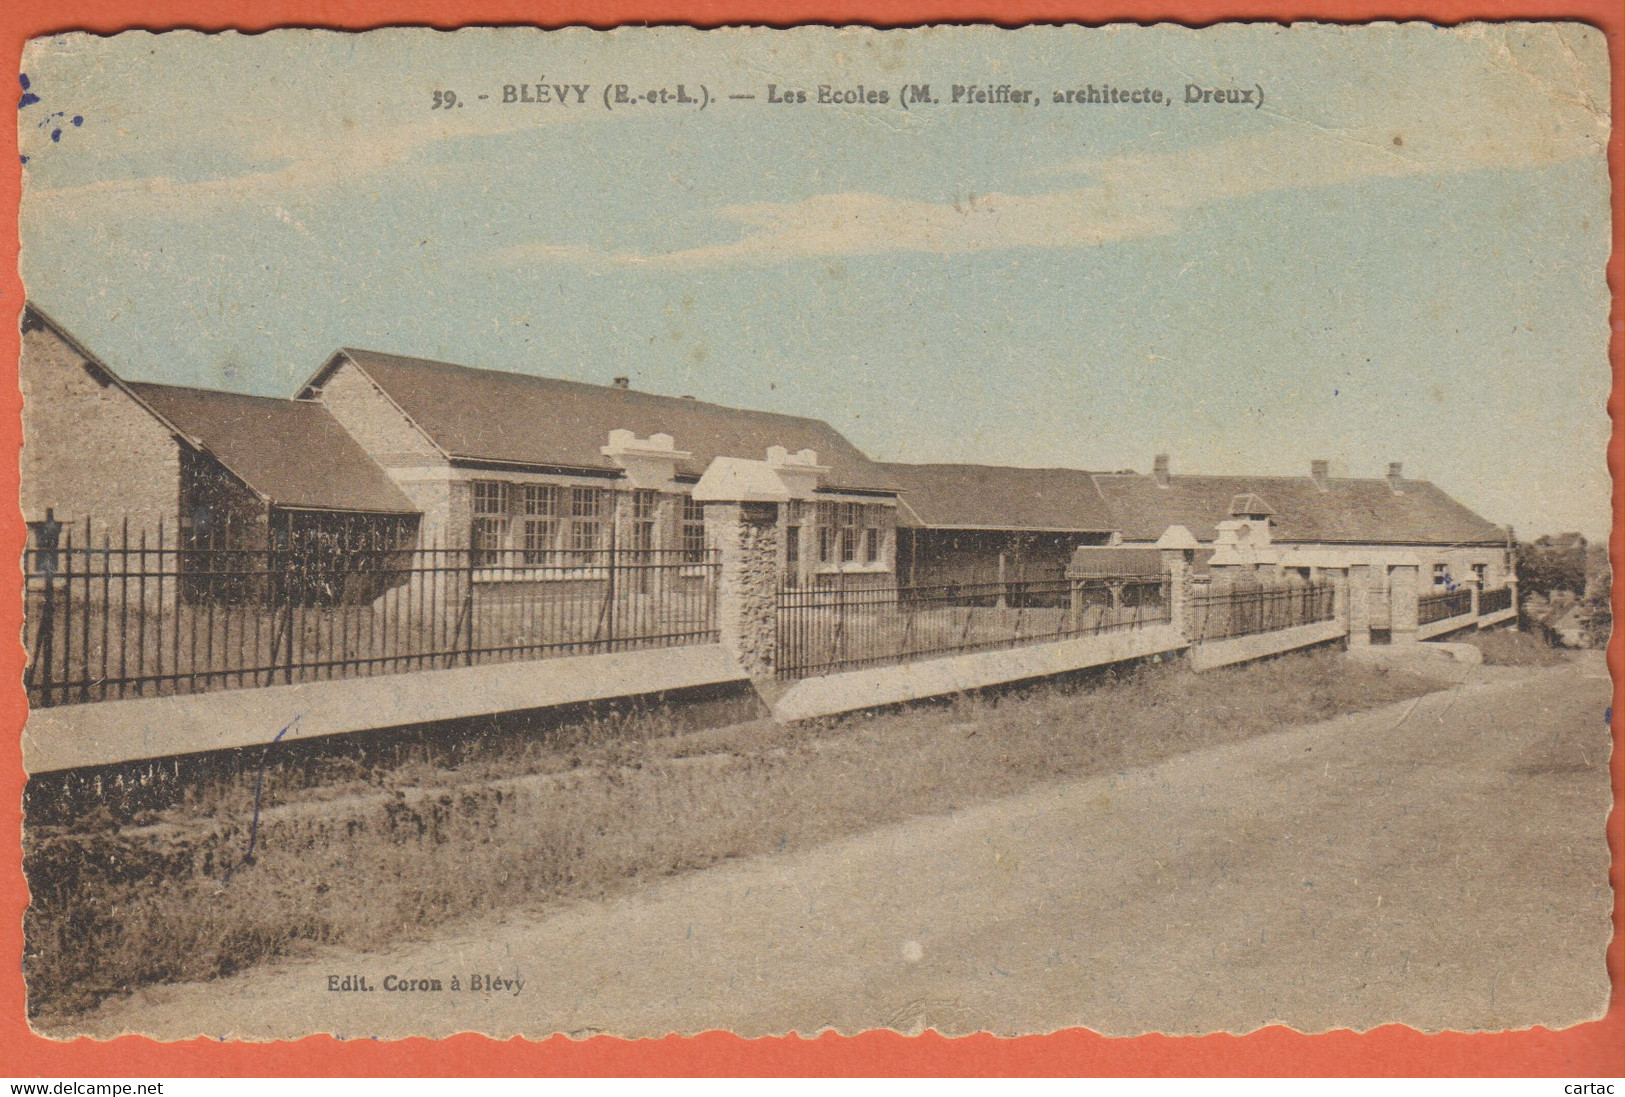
(369, 858)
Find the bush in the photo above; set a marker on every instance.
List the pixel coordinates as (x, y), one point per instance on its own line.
(1515, 649)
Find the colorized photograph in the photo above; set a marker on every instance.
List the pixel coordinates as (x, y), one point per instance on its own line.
(823, 529)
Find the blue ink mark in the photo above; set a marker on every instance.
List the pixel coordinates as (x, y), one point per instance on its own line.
(1608, 715)
(55, 122)
(259, 784)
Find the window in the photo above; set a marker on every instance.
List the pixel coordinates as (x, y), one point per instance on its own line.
(547, 525)
(490, 533)
(490, 497)
(1481, 573)
(851, 518)
(644, 508)
(586, 525)
(1441, 575)
(540, 503)
(849, 533)
(693, 531)
(827, 518)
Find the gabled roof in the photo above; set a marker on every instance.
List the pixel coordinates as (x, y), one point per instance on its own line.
(1347, 510)
(36, 317)
(516, 418)
(1250, 505)
(1000, 498)
(293, 453)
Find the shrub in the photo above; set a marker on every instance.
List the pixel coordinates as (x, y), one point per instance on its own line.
(1515, 649)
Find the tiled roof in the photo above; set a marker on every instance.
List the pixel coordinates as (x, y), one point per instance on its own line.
(1094, 560)
(1347, 510)
(516, 418)
(292, 452)
(990, 497)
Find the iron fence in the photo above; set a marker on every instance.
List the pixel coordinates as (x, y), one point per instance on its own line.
(1494, 601)
(1443, 606)
(825, 629)
(1223, 615)
(122, 616)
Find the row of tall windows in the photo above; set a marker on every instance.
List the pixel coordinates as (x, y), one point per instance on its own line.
(539, 524)
(849, 533)
(566, 526)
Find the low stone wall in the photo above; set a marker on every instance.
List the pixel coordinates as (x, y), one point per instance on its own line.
(111, 732)
(876, 686)
(1241, 649)
(1446, 626)
(1500, 617)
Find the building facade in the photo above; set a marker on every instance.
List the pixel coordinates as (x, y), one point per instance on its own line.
(203, 473)
(1319, 520)
(979, 524)
(537, 473)
(92, 449)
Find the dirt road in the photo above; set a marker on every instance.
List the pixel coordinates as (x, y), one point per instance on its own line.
(1440, 863)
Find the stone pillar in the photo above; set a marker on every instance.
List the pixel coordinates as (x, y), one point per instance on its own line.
(1403, 594)
(1339, 579)
(749, 541)
(1178, 549)
(1475, 585)
(1359, 605)
(1177, 564)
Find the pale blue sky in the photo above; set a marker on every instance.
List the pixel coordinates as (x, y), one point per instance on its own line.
(1400, 257)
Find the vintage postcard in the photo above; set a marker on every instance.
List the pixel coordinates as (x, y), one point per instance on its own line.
(955, 528)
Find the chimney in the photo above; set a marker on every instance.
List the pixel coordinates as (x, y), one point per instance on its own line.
(1159, 469)
(1319, 471)
(623, 382)
(1396, 477)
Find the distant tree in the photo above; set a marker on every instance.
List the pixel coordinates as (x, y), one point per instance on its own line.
(1598, 604)
(1598, 623)
(1551, 564)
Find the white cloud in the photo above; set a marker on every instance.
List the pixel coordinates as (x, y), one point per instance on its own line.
(1124, 197)
(303, 167)
(1538, 104)
(865, 224)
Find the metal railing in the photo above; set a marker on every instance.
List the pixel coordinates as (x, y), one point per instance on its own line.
(1223, 615)
(1494, 601)
(1443, 606)
(825, 629)
(115, 617)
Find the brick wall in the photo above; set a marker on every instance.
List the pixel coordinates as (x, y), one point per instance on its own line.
(89, 448)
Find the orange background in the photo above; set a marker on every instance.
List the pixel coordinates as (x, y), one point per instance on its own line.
(1592, 1050)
